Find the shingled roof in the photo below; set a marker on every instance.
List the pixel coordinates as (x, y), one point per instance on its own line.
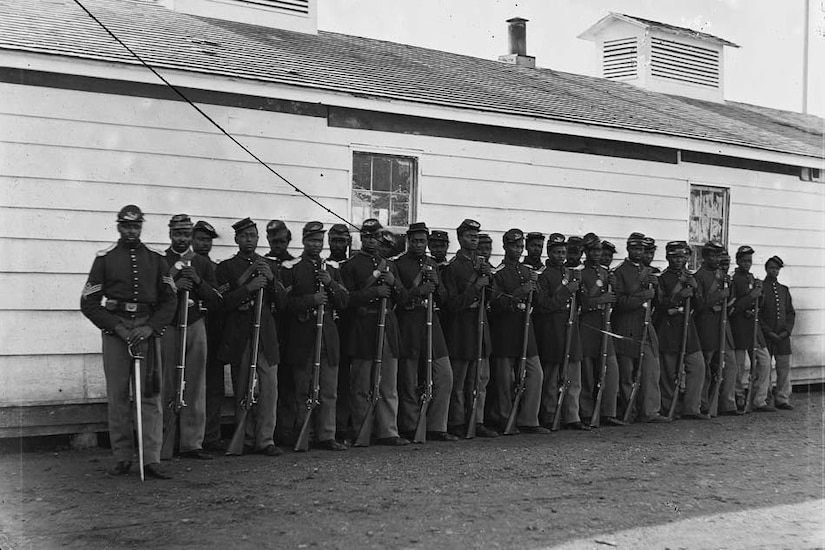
(380, 69)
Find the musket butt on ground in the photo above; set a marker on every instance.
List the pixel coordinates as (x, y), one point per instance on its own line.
(235, 447)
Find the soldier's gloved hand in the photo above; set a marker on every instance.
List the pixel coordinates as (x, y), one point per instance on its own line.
(482, 281)
(755, 292)
(573, 286)
(123, 332)
(264, 270)
(485, 269)
(324, 277)
(427, 288)
(608, 297)
(388, 277)
(686, 292)
(382, 291)
(184, 284)
(190, 273)
(139, 334)
(783, 335)
(256, 284)
(320, 298)
(724, 292)
(647, 294)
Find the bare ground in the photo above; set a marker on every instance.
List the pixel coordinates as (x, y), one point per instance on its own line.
(526, 491)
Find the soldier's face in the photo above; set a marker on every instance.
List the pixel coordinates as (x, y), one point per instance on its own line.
(439, 250)
(417, 243)
(607, 257)
(677, 262)
(247, 240)
(338, 245)
(313, 245)
(594, 254)
(130, 231)
(772, 270)
(278, 242)
(711, 260)
(201, 243)
(468, 240)
(574, 255)
(513, 251)
(635, 253)
(485, 249)
(647, 257)
(557, 255)
(724, 264)
(369, 243)
(534, 248)
(745, 262)
(181, 239)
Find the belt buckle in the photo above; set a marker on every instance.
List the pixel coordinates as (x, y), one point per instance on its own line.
(130, 307)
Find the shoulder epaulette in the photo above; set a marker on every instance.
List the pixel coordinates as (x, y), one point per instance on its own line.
(289, 264)
(106, 250)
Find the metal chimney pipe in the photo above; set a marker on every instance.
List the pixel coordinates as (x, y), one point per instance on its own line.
(517, 29)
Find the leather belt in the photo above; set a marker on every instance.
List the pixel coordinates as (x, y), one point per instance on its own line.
(131, 308)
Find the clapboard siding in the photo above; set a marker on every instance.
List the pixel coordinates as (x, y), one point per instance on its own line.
(72, 159)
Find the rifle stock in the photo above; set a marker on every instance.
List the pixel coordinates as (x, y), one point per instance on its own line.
(171, 426)
(637, 373)
(249, 399)
(427, 394)
(302, 443)
(521, 376)
(595, 419)
(471, 415)
(365, 431)
(564, 381)
(716, 384)
(680, 366)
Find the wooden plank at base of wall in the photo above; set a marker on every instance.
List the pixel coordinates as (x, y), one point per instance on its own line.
(32, 420)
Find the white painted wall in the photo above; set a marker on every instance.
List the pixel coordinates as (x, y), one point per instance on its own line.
(69, 160)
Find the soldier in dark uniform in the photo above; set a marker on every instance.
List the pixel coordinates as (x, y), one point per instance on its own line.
(245, 274)
(140, 303)
(608, 251)
(634, 289)
(278, 236)
(778, 316)
(311, 284)
(650, 252)
(747, 293)
(419, 276)
(368, 277)
(387, 245)
(513, 283)
(595, 294)
(465, 278)
(575, 249)
(710, 300)
(192, 273)
(675, 285)
(556, 286)
(340, 241)
(485, 246)
(534, 245)
(438, 245)
(202, 236)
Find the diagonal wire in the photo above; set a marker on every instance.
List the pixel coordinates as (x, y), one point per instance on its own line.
(207, 117)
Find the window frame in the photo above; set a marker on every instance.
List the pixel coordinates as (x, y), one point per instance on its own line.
(415, 188)
(696, 247)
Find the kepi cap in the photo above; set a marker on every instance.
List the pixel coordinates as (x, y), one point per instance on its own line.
(776, 260)
(484, 238)
(534, 236)
(607, 245)
(743, 250)
(205, 227)
(512, 236)
(649, 243)
(274, 226)
(339, 229)
(437, 236)
(130, 213)
(674, 248)
(555, 239)
(591, 240)
(575, 242)
(418, 227)
(371, 226)
(467, 225)
(311, 228)
(713, 246)
(245, 223)
(180, 221)
(636, 239)
(387, 237)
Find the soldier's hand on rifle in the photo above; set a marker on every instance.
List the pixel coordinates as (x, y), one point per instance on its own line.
(485, 269)
(382, 291)
(573, 285)
(755, 292)
(388, 277)
(190, 273)
(264, 270)
(482, 281)
(647, 294)
(724, 292)
(123, 332)
(320, 298)
(686, 292)
(608, 297)
(427, 288)
(256, 284)
(324, 277)
(138, 334)
(184, 284)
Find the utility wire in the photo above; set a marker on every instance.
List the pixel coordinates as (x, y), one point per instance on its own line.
(207, 117)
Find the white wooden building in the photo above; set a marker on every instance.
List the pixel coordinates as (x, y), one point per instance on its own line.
(368, 128)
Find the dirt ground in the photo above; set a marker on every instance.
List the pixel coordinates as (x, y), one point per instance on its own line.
(526, 491)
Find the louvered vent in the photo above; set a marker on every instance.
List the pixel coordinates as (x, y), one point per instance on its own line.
(620, 58)
(291, 6)
(683, 62)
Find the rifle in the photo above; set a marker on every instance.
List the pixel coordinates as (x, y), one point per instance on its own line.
(170, 429)
(136, 357)
(680, 366)
(302, 443)
(595, 419)
(521, 376)
(637, 373)
(365, 431)
(250, 398)
(716, 384)
(471, 416)
(427, 394)
(564, 381)
(749, 401)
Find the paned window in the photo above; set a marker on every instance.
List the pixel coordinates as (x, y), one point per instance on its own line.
(383, 187)
(708, 218)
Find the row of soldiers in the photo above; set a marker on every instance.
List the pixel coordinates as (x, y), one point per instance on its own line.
(417, 347)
